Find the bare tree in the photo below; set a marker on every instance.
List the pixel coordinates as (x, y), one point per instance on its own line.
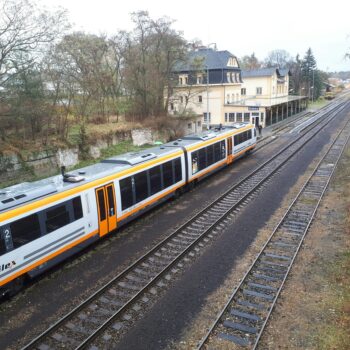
(190, 95)
(277, 58)
(250, 62)
(24, 30)
(150, 52)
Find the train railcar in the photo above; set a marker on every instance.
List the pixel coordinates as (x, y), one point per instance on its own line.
(44, 222)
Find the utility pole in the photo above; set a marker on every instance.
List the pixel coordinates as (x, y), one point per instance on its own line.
(208, 113)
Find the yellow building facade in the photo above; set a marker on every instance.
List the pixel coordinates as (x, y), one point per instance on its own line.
(222, 93)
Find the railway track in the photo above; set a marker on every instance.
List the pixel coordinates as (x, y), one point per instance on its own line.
(106, 314)
(244, 317)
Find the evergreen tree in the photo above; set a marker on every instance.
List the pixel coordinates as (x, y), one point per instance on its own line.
(309, 72)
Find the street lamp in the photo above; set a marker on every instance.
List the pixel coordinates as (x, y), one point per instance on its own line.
(313, 84)
(207, 97)
(208, 86)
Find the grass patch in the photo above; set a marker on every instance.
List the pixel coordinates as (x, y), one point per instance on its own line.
(335, 334)
(318, 103)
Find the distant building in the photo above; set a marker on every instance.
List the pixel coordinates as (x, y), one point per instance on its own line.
(211, 84)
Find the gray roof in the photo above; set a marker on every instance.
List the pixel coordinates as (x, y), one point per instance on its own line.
(265, 72)
(209, 59)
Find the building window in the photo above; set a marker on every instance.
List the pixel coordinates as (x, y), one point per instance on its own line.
(246, 117)
(200, 99)
(231, 117)
(239, 117)
(186, 80)
(199, 79)
(189, 126)
(259, 90)
(206, 120)
(262, 117)
(228, 99)
(180, 80)
(171, 106)
(243, 91)
(226, 118)
(228, 76)
(237, 77)
(199, 124)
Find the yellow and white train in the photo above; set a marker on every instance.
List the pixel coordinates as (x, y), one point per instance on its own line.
(44, 222)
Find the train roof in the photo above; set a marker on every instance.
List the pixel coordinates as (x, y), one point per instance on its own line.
(17, 195)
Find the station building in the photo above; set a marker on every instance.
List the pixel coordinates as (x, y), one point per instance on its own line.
(212, 84)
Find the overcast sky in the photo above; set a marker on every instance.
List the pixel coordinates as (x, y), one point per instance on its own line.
(241, 27)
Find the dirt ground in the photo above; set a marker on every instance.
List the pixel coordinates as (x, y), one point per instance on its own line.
(313, 311)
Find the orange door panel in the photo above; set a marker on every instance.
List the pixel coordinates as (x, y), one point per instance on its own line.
(229, 150)
(112, 210)
(102, 211)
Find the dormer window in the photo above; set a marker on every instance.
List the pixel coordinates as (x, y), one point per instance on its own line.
(200, 79)
(228, 76)
(183, 79)
(232, 62)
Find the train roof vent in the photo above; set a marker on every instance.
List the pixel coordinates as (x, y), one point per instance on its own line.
(203, 137)
(73, 178)
(11, 196)
(239, 125)
(131, 158)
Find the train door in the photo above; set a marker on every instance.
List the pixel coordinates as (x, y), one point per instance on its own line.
(106, 208)
(229, 150)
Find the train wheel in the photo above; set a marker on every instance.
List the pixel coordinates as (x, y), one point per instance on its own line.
(15, 286)
(177, 193)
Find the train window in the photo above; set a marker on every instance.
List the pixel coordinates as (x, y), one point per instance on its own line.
(2, 245)
(101, 204)
(194, 162)
(56, 218)
(77, 208)
(25, 230)
(217, 152)
(155, 179)
(126, 193)
(111, 201)
(141, 186)
(223, 149)
(210, 155)
(202, 159)
(168, 174)
(178, 169)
